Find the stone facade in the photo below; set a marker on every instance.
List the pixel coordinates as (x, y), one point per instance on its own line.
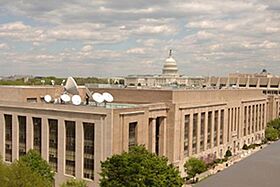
(174, 123)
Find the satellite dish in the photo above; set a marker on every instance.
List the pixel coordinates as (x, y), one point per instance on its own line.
(47, 98)
(66, 98)
(76, 100)
(71, 86)
(108, 97)
(97, 97)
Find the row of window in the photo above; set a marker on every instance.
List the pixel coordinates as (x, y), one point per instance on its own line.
(217, 126)
(70, 132)
(254, 119)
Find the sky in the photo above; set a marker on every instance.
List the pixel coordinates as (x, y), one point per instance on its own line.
(106, 38)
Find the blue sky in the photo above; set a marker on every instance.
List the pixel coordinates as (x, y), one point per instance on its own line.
(113, 38)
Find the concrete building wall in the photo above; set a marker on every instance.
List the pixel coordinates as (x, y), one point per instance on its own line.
(174, 123)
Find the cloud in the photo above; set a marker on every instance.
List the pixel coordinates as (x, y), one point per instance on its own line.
(126, 35)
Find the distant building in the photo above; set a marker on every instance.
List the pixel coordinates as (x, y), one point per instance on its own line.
(170, 77)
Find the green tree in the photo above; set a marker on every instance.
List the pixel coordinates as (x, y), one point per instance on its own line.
(74, 183)
(34, 161)
(271, 134)
(20, 174)
(194, 166)
(138, 167)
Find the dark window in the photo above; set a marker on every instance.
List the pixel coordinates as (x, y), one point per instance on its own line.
(22, 135)
(194, 138)
(37, 127)
(202, 130)
(132, 134)
(70, 147)
(8, 137)
(88, 150)
(186, 134)
(53, 136)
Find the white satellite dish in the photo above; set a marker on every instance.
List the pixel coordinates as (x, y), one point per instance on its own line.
(108, 97)
(71, 86)
(76, 100)
(66, 98)
(47, 98)
(97, 97)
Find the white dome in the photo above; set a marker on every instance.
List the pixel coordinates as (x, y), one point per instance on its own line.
(170, 66)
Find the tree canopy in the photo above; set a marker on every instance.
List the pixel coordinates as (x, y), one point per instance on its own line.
(194, 166)
(34, 161)
(25, 172)
(138, 167)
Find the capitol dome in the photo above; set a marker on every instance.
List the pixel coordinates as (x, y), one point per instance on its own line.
(170, 66)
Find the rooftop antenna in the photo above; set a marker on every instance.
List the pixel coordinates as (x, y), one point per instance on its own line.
(76, 100)
(65, 98)
(107, 98)
(47, 98)
(52, 82)
(98, 98)
(71, 86)
(63, 81)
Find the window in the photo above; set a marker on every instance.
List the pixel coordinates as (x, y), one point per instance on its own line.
(209, 130)
(186, 134)
(37, 127)
(70, 147)
(245, 121)
(202, 129)
(53, 135)
(216, 127)
(132, 134)
(22, 135)
(194, 135)
(222, 117)
(8, 137)
(88, 150)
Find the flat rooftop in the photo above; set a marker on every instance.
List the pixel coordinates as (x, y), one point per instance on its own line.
(261, 169)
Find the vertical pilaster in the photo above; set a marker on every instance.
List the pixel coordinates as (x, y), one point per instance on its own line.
(79, 154)
(212, 129)
(219, 127)
(45, 138)
(152, 135)
(15, 138)
(2, 135)
(190, 133)
(162, 147)
(29, 133)
(198, 132)
(61, 146)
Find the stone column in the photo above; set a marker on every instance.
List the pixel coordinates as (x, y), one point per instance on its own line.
(152, 135)
(79, 154)
(219, 127)
(212, 129)
(29, 133)
(98, 148)
(45, 138)
(162, 140)
(190, 133)
(61, 146)
(15, 138)
(198, 132)
(2, 136)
